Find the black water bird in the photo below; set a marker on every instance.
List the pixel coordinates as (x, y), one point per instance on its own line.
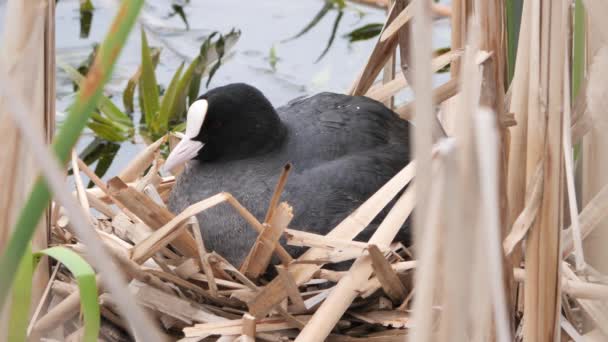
(342, 148)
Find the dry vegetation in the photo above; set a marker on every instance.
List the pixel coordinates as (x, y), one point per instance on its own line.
(502, 251)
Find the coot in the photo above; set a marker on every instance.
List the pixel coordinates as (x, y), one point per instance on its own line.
(342, 148)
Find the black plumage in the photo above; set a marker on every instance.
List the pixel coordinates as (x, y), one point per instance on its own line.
(342, 148)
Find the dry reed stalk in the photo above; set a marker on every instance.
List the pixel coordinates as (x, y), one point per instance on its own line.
(101, 186)
(516, 173)
(439, 94)
(458, 29)
(423, 109)
(388, 73)
(490, 235)
(382, 51)
(594, 309)
(203, 256)
(28, 55)
(542, 296)
(285, 258)
(100, 206)
(259, 256)
(493, 39)
(532, 159)
(43, 300)
(248, 334)
(404, 16)
(590, 217)
(527, 216)
(306, 239)
(235, 327)
(460, 196)
(388, 89)
(569, 170)
(141, 161)
(152, 214)
(575, 288)
(595, 144)
(427, 275)
(390, 282)
(162, 235)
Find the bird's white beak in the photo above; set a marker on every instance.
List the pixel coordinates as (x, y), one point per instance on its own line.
(188, 148)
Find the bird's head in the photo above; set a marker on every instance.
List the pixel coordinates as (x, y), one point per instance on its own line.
(227, 123)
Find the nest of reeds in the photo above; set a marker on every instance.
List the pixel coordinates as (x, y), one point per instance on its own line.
(195, 293)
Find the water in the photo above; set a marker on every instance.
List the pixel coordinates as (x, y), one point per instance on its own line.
(263, 24)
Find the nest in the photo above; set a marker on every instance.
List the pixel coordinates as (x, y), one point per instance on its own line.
(196, 294)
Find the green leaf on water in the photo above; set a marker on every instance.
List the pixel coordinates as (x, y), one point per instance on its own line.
(108, 153)
(328, 5)
(86, 17)
(332, 36)
(179, 10)
(178, 105)
(197, 73)
(365, 32)
(129, 93)
(148, 90)
(219, 48)
(166, 104)
(273, 58)
(106, 129)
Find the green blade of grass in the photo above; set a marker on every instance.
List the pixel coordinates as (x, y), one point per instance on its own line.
(166, 105)
(77, 118)
(85, 277)
(148, 86)
(22, 294)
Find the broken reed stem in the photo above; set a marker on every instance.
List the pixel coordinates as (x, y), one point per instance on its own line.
(248, 334)
(102, 186)
(285, 258)
(203, 255)
(278, 190)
